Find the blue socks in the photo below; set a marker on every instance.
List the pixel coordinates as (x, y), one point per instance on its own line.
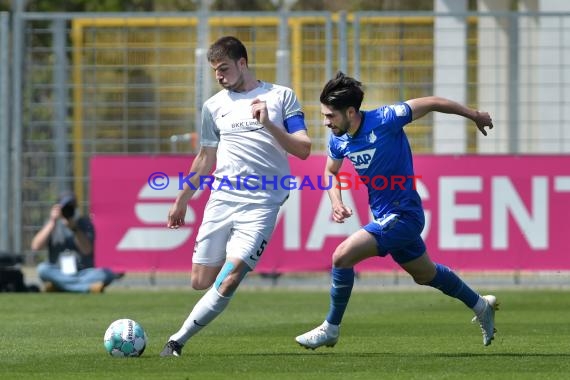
(449, 283)
(445, 280)
(342, 282)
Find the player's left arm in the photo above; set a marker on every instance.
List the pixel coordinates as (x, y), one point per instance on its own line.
(422, 106)
(298, 143)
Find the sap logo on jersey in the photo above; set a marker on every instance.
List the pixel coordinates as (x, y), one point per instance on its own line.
(362, 159)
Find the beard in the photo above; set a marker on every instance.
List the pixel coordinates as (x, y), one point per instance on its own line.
(340, 130)
(236, 86)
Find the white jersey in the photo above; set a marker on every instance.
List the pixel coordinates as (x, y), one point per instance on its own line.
(251, 165)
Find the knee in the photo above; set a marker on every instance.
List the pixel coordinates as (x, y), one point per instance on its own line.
(422, 269)
(201, 283)
(339, 258)
(203, 277)
(422, 280)
(424, 276)
(43, 270)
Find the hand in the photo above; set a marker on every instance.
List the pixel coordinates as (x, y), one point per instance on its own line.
(55, 213)
(482, 120)
(176, 215)
(341, 212)
(259, 111)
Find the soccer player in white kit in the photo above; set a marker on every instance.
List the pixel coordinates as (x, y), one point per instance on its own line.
(248, 129)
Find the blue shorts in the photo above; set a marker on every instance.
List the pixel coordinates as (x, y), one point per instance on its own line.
(399, 236)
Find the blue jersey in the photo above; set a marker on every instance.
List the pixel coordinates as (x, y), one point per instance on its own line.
(381, 155)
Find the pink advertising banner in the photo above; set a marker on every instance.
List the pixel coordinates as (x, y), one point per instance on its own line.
(482, 213)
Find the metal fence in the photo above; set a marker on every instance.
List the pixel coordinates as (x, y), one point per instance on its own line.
(88, 84)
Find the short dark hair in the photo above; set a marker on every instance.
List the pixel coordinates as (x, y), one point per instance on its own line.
(342, 92)
(227, 47)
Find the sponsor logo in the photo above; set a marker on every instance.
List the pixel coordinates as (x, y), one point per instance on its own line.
(151, 210)
(400, 110)
(362, 159)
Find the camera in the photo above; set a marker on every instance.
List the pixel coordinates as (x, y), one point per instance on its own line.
(68, 203)
(68, 211)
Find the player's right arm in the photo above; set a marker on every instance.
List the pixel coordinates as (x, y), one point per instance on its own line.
(339, 210)
(201, 166)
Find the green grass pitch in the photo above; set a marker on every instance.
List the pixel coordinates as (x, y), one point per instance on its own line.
(385, 335)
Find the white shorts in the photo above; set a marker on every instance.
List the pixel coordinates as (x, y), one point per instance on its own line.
(236, 230)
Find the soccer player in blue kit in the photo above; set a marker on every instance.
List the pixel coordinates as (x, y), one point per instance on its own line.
(376, 144)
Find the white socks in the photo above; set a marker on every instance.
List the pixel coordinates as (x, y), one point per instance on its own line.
(205, 311)
(330, 327)
(479, 306)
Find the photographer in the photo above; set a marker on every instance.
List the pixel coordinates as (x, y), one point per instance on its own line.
(69, 239)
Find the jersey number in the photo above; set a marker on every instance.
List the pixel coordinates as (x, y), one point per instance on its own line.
(259, 251)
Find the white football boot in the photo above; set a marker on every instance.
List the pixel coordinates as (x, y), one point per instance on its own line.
(324, 335)
(486, 319)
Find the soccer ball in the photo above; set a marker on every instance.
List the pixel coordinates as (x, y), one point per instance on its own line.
(125, 337)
